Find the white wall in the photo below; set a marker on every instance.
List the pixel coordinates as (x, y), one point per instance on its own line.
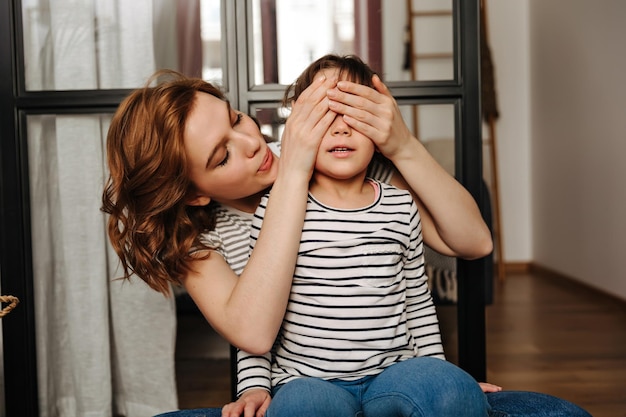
(560, 68)
(578, 139)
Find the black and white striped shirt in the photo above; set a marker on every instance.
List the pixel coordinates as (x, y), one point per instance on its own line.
(360, 299)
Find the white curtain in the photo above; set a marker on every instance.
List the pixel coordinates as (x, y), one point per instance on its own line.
(104, 347)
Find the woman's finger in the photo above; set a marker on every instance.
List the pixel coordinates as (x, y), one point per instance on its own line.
(373, 112)
(371, 118)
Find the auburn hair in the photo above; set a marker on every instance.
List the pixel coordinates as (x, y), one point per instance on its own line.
(150, 225)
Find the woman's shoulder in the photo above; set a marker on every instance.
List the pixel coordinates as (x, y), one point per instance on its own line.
(380, 168)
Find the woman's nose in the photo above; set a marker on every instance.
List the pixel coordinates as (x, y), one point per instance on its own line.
(339, 127)
(251, 145)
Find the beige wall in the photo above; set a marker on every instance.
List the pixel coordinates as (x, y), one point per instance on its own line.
(560, 68)
(508, 38)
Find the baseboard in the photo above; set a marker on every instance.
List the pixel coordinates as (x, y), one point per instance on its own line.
(540, 269)
(557, 276)
(516, 267)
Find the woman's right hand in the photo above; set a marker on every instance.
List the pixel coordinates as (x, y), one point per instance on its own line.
(309, 120)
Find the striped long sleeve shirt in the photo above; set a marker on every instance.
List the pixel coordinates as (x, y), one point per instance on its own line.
(360, 300)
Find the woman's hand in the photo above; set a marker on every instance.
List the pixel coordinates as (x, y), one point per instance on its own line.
(372, 112)
(309, 120)
(451, 222)
(252, 403)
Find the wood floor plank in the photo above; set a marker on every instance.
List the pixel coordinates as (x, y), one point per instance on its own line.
(559, 337)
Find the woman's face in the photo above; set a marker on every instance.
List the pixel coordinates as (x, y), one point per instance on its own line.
(228, 158)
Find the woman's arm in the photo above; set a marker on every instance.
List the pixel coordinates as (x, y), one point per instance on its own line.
(451, 221)
(248, 310)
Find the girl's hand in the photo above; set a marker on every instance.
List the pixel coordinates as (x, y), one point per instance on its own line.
(309, 120)
(374, 113)
(487, 387)
(252, 403)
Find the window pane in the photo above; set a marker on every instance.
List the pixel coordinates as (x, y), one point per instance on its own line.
(90, 44)
(290, 34)
(293, 33)
(432, 44)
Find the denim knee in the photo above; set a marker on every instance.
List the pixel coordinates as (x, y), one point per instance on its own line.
(312, 397)
(425, 387)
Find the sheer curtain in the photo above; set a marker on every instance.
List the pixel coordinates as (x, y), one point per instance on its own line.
(104, 346)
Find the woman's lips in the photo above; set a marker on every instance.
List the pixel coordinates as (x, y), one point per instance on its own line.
(267, 161)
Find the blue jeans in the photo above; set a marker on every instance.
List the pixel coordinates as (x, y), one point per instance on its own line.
(503, 404)
(418, 387)
(531, 404)
(446, 389)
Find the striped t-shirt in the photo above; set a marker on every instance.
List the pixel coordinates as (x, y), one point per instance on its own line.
(360, 299)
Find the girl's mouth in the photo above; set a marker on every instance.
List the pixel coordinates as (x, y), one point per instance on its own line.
(340, 149)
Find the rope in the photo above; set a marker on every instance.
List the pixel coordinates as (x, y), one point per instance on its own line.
(13, 302)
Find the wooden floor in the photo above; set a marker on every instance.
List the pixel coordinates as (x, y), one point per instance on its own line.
(544, 334)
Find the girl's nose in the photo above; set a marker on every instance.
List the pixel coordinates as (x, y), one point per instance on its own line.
(339, 127)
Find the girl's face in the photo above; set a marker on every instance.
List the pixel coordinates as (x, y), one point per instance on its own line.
(228, 159)
(344, 152)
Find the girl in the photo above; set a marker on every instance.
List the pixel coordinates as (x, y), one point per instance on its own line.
(360, 334)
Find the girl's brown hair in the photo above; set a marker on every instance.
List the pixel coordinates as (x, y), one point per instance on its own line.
(150, 226)
(350, 65)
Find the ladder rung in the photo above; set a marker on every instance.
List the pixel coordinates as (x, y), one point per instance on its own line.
(433, 55)
(431, 13)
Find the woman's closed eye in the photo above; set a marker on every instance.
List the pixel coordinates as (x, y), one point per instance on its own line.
(224, 159)
(235, 122)
(237, 119)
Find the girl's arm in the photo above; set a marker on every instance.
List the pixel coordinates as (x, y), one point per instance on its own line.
(451, 221)
(248, 310)
(421, 314)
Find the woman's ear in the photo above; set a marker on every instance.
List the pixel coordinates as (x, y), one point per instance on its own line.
(198, 200)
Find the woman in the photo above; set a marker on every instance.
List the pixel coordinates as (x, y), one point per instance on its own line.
(182, 160)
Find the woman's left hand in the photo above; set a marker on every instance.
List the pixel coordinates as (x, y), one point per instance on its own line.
(373, 112)
(451, 221)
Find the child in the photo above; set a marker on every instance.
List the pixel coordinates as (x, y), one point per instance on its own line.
(360, 315)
